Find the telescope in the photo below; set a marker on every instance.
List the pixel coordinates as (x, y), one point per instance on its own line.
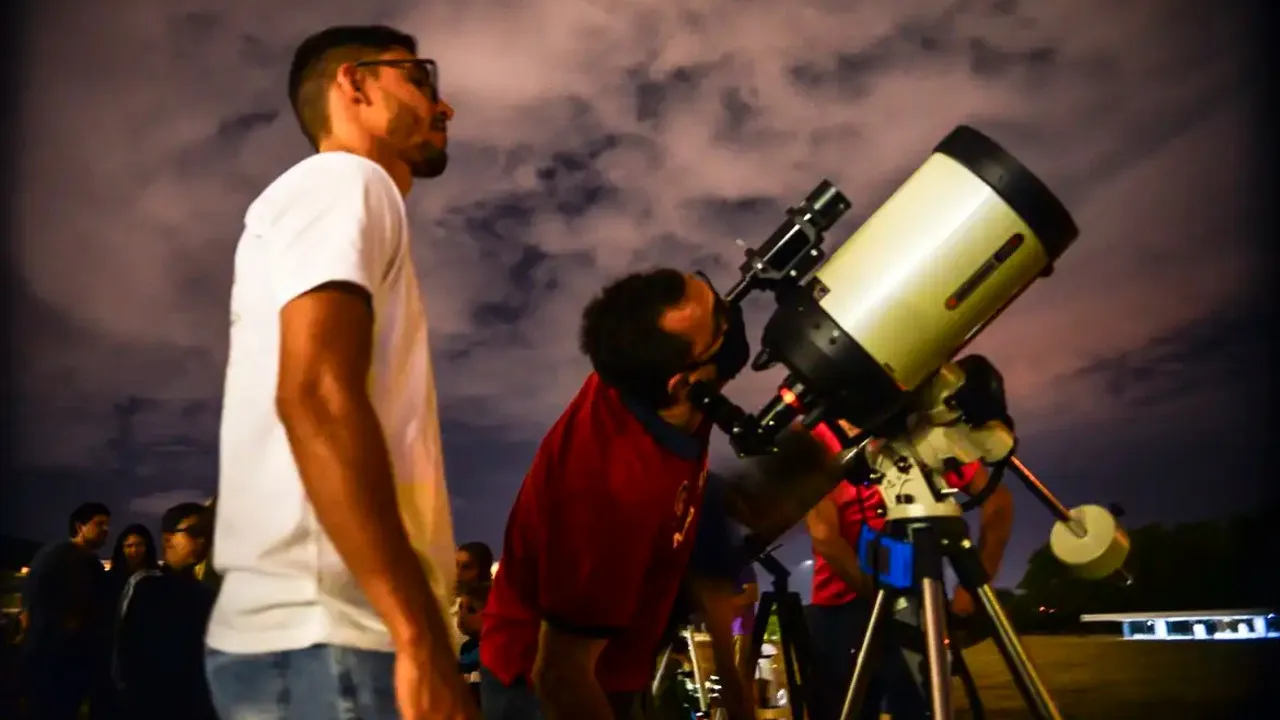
(869, 339)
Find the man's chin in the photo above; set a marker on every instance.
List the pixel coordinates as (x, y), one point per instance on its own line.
(429, 167)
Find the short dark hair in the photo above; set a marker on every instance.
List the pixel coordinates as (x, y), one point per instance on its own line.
(627, 347)
(481, 553)
(174, 516)
(316, 62)
(83, 515)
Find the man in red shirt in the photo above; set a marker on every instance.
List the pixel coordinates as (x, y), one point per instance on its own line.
(843, 594)
(599, 541)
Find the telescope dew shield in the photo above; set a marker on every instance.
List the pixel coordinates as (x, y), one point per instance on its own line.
(955, 244)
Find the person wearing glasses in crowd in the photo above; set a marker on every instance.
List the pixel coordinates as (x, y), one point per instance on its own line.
(334, 535)
(158, 653)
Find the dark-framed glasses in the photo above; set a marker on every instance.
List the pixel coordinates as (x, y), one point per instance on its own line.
(723, 317)
(424, 73)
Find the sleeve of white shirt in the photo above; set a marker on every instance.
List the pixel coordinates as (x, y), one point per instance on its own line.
(340, 223)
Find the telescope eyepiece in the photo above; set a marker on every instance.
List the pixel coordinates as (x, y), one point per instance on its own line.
(824, 206)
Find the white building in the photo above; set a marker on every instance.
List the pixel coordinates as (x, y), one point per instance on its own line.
(1194, 624)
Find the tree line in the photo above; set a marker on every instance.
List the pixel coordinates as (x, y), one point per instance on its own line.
(1226, 564)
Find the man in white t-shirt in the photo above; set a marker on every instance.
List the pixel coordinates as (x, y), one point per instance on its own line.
(333, 535)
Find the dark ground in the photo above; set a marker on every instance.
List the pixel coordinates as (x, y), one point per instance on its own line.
(1103, 678)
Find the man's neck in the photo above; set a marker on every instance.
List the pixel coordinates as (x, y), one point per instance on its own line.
(368, 149)
(682, 417)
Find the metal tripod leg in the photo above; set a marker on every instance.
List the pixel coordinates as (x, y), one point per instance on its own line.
(786, 646)
(972, 577)
(861, 668)
(1033, 691)
(795, 632)
(933, 611)
(699, 677)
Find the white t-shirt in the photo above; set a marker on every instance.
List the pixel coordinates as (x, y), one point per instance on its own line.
(332, 217)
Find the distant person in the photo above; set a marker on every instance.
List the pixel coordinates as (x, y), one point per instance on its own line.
(334, 536)
(473, 600)
(474, 564)
(66, 615)
(159, 650)
(135, 550)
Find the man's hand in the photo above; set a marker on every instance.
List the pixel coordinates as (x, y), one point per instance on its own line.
(717, 603)
(425, 690)
(962, 602)
(823, 523)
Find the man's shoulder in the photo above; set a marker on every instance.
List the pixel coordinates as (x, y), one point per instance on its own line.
(59, 553)
(321, 180)
(595, 436)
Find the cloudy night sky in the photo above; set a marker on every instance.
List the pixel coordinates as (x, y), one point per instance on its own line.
(595, 137)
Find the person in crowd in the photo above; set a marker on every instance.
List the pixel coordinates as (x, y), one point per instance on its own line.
(135, 550)
(66, 615)
(474, 563)
(158, 663)
(334, 535)
(472, 604)
(600, 539)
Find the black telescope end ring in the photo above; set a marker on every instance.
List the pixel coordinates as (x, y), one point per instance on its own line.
(1034, 202)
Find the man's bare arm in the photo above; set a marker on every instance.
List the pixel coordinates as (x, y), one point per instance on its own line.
(326, 340)
(717, 603)
(564, 676)
(823, 523)
(995, 522)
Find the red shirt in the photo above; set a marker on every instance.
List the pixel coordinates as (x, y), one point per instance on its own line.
(854, 505)
(598, 540)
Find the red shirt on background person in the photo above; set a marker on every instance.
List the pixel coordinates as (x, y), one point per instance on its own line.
(852, 506)
(843, 592)
(600, 537)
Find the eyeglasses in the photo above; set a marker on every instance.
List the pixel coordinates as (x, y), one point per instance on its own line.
(422, 72)
(721, 317)
(191, 529)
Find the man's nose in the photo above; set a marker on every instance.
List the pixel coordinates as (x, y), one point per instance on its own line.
(446, 110)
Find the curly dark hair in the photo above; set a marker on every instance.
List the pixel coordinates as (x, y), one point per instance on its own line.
(621, 336)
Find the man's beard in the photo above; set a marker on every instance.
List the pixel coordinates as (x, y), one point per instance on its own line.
(425, 161)
(429, 161)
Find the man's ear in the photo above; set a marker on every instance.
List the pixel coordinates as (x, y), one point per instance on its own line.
(350, 83)
(677, 385)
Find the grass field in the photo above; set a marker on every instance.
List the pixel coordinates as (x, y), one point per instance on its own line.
(1102, 678)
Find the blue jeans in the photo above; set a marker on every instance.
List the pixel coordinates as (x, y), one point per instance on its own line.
(322, 682)
(507, 702)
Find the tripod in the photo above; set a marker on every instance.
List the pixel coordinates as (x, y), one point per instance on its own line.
(794, 640)
(906, 558)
